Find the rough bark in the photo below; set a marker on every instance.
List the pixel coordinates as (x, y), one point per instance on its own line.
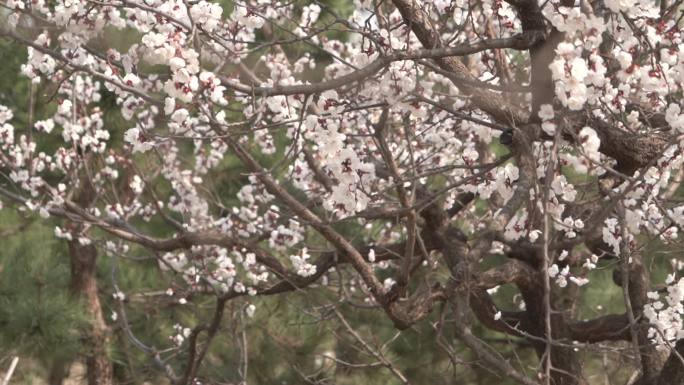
(83, 285)
(639, 285)
(673, 370)
(566, 368)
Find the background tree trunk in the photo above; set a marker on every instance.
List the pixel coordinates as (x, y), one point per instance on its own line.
(58, 371)
(84, 285)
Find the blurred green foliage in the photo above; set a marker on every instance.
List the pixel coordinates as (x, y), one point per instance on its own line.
(38, 316)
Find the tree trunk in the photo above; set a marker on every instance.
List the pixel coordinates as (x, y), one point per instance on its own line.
(566, 368)
(58, 371)
(84, 285)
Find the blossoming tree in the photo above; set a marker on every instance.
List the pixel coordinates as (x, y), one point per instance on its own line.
(407, 158)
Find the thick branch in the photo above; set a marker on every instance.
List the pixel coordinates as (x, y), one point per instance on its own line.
(519, 42)
(612, 327)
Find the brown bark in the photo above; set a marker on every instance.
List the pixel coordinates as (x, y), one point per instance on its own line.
(84, 285)
(673, 370)
(639, 285)
(566, 368)
(58, 371)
